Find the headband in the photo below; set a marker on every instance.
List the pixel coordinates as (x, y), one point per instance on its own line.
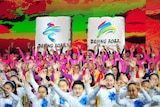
(11, 82)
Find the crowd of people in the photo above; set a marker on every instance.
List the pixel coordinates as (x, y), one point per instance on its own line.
(99, 77)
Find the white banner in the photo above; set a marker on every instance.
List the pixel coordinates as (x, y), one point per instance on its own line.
(53, 31)
(106, 31)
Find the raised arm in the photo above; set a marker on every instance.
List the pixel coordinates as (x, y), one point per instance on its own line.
(21, 53)
(61, 93)
(147, 97)
(93, 94)
(156, 98)
(119, 101)
(32, 80)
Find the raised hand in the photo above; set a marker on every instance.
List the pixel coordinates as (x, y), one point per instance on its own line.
(4, 89)
(124, 78)
(102, 82)
(38, 47)
(86, 78)
(118, 48)
(18, 48)
(139, 85)
(98, 45)
(141, 72)
(56, 75)
(132, 62)
(132, 49)
(117, 87)
(2, 66)
(2, 79)
(108, 63)
(31, 65)
(19, 65)
(43, 74)
(143, 49)
(45, 47)
(153, 84)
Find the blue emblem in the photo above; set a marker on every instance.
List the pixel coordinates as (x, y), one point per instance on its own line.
(138, 103)
(112, 96)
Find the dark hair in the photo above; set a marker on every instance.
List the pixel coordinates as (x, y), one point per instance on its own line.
(17, 79)
(145, 80)
(92, 79)
(78, 82)
(15, 76)
(63, 79)
(77, 65)
(91, 50)
(107, 74)
(47, 78)
(12, 84)
(153, 74)
(127, 51)
(118, 73)
(13, 69)
(131, 83)
(44, 87)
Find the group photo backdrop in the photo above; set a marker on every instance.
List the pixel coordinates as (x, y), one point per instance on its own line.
(18, 19)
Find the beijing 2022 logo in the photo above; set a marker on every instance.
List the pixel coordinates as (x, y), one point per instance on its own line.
(51, 30)
(105, 27)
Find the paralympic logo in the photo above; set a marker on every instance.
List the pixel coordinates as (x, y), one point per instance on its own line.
(105, 27)
(51, 30)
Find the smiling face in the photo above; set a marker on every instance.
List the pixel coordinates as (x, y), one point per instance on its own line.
(76, 69)
(9, 88)
(124, 56)
(78, 90)
(146, 85)
(121, 82)
(74, 56)
(109, 81)
(42, 92)
(154, 79)
(63, 85)
(111, 56)
(133, 91)
(115, 70)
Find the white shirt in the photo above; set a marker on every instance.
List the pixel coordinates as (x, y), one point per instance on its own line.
(104, 95)
(127, 102)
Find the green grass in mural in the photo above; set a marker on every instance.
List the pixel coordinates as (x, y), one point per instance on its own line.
(25, 26)
(79, 17)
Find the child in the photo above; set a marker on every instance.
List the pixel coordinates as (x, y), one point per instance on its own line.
(154, 78)
(78, 98)
(10, 99)
(146, 85)
(155, 98)
(133, 100)
(60, 102)
(55, 101)
(42, 99)
(20, 90)
(122, 81)
(154, 91)
(106, 95)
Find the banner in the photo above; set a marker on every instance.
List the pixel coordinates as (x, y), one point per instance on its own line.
(106, 31)
(53, 31)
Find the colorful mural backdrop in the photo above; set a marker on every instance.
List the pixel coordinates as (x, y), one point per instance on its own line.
(17, 19)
